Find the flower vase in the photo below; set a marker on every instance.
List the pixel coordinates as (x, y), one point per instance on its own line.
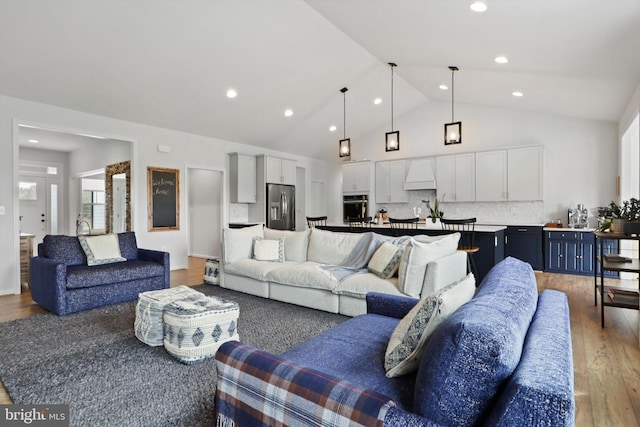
(617, 225)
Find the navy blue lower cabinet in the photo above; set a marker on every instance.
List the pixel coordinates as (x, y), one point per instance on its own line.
(525, 243)
(491, 252)
(571, 252)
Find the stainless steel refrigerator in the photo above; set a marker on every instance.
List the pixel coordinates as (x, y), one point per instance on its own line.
(281, 207)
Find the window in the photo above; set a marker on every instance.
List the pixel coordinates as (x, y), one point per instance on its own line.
(27, 191)
(93, 204)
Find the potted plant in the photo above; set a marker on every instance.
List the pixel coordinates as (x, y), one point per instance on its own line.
(435, 212)
(622, 219)
(630, 212)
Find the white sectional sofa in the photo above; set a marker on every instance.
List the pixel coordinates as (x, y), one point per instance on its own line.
(327, 270)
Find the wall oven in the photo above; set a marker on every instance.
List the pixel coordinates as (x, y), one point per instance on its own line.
(355, 207)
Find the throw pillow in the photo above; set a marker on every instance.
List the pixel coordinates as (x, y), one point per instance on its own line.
(417, 255)
(295, 243)
(103, 249)
(237, 243)
(268, 250)
(410, 337)
(385, 260)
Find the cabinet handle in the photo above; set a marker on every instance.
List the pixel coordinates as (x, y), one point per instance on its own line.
(522, 229)
(561, 256)
(506, 240)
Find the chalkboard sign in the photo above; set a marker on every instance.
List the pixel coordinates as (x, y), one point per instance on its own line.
(164, 198)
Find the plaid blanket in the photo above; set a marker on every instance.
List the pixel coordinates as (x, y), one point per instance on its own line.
(257, 388)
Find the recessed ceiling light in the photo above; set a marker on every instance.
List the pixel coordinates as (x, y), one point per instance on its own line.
(501, 59)
(518, 94)
(332, 129)
(377, 101)
(444, 87)
(288, 113)
(33, 141)
(478, 6)
(231, 93)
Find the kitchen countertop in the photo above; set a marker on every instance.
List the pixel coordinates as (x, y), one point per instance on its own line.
(590, 230)
(431, 226)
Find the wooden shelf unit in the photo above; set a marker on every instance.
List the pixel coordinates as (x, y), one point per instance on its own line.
(632, 266)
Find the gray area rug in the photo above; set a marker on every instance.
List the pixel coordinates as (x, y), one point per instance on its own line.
(93, 361)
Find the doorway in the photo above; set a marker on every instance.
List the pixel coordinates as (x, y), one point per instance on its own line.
(205, 205)
(630, 180)
(40, 198)
(301, 198)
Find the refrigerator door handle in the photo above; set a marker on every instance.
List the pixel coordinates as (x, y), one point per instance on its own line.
(285, 204)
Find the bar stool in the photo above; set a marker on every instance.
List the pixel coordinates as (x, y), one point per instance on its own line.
(357, 224)
(314, 221)
(466, 228)
(399, 224)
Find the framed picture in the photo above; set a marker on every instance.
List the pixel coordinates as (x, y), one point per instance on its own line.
(163, 187)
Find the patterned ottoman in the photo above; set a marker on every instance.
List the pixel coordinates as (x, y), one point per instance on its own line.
(149, 310)
(194, 327)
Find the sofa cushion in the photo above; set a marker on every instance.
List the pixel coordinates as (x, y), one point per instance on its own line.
(360, 284)
(65, 249)
(103, 249)
(296, 243)
(476, 348)
(128, 245)
(254, 269)
(268, 249)
(328, 247)
(307, 274)
(385, 260)
(238, 242)
(420, 251)
(354, 351)
(83, 276)
(407, 343)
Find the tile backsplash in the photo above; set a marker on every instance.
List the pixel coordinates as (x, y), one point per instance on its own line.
(238, 212)
(506, 213)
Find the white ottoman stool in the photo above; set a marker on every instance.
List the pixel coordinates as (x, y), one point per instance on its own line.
(149, 310)
(194, 327)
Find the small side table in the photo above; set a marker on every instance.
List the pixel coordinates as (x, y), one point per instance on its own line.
(626, 298)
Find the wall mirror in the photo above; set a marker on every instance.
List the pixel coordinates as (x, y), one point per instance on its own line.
(118, 197)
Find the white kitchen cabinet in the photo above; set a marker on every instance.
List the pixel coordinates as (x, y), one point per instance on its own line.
(242, 178)
(357, 177)
(390, 177)
(511, 174)
(455, 177)
(524, 173)
(278, 171)
(491, 176)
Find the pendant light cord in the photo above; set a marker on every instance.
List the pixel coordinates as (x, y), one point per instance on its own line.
(392, 98)
(344, 110)
(452, 90)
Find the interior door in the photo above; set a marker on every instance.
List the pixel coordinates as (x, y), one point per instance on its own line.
(33, 206)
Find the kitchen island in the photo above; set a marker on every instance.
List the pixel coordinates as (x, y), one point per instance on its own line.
(489, 238)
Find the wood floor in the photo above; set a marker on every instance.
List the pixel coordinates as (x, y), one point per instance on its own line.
(606, 361)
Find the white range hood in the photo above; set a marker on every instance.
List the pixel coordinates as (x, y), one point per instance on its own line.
(421, 174)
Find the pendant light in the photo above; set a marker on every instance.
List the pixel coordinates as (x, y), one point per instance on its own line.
(392, 139)
(344, 146)
(453, 130)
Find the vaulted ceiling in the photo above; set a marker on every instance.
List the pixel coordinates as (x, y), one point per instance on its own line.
(170, 63)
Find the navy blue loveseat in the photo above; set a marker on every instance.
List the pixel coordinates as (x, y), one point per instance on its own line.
(502, 359)
(63, 283)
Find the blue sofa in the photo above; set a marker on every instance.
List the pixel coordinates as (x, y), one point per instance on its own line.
(63, 283)
(502, 359)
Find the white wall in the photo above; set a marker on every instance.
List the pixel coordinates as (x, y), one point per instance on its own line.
(580, 156)
(186, 149)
